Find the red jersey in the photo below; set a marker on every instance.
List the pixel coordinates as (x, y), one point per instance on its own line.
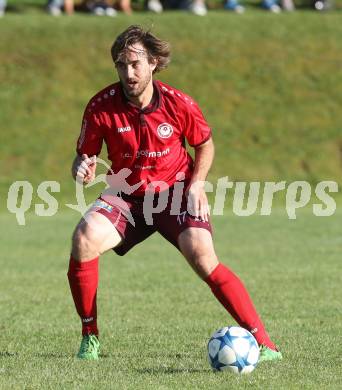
(149, 141)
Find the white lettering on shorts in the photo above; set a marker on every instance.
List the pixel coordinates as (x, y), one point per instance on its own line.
(181, 217)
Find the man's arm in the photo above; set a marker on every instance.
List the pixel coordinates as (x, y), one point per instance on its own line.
(83, 168)
(197, 198)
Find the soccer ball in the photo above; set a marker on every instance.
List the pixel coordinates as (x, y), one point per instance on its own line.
(234, 349)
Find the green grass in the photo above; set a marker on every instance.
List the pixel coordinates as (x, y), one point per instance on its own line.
(156, 315)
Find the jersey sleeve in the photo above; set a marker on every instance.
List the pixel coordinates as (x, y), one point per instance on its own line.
(91, 136)
(197, 130)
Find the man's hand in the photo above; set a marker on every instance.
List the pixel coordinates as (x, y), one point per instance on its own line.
(197, 201)
(84, 168)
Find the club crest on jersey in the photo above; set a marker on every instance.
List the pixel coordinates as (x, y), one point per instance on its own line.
(164, 130)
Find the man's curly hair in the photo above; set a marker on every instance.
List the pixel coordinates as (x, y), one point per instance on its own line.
(156, 48)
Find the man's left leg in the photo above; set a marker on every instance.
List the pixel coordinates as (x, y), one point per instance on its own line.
(197, 247)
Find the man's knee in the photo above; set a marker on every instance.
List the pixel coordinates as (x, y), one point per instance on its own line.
(203, 263)
(93, 236)
(85, 244)
(197, 247)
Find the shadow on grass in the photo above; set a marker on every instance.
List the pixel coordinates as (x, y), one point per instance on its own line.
(168, 370)
(52, 355)
(6, 354)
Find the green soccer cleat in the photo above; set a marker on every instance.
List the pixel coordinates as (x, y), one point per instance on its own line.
(268, 354)
(90, 348)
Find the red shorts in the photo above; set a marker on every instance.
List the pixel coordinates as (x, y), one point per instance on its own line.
(128, 215)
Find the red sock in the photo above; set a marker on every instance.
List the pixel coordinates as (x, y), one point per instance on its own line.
(232, 294)
(83, 279)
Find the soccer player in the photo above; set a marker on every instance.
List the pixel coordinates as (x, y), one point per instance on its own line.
(144, 124)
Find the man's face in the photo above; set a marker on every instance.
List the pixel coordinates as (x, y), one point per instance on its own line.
(134, 70)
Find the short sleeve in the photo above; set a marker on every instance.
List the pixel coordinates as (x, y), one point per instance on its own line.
(91, 136)
(196, 129)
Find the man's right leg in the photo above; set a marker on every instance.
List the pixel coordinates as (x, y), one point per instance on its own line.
(94, 235)
(197, 247)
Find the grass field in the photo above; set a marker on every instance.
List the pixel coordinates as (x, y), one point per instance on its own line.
(271, 88)
(156, 316)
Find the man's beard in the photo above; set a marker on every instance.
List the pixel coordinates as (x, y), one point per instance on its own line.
(137, 91)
